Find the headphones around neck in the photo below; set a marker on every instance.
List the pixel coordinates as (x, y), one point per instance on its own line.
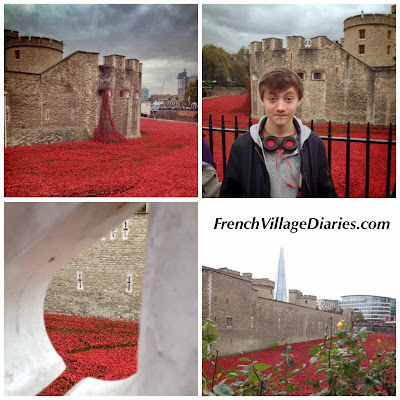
(289, 144)
(271, 143)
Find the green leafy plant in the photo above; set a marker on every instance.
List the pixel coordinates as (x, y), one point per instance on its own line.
(260, 379)
(381, 376)
(209, 337)
(247, 379)
(340, 362)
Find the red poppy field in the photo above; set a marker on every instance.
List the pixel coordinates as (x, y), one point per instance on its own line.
(300, 352)
(91, 347)
(161, 163)
(239, 105)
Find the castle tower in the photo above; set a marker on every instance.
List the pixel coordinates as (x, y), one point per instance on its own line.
(280, 288)
(372, 38)
(30, 54)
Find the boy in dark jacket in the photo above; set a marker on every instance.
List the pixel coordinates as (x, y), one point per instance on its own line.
(279, 156)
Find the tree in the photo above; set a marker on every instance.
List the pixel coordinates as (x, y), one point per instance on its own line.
(358, 317)
(221, 68)
(191, 91)
(239, 67)
(215, 65)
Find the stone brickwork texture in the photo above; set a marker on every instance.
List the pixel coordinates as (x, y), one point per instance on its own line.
(175, 115)
(106, 280)
(340, 85)
(30, 54)
(297, 297)
(247, 322)
(50, 99)
(377, 33)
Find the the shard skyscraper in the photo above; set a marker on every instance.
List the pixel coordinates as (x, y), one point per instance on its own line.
(280, 283)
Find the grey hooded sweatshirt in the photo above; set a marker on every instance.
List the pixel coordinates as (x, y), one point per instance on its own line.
(283, 167)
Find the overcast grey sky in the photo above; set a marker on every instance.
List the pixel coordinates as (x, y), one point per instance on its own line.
(323, 263)
(232, 26)
(163, 37)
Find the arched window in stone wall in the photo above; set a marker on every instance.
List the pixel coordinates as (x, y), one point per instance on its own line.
(129, 282)
(80, 280)
(104, 90)
(124, 93)
(125, 230)
(301, 73)
(318, 75)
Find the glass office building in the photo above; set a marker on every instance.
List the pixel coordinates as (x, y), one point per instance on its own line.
(145, 94)
(373, 308)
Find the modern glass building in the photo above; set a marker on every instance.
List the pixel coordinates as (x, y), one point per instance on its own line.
(393, 308)
(373, 308)
(145, 95)
(182, 82)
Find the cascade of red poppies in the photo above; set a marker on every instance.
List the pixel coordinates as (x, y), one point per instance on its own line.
(105, 131)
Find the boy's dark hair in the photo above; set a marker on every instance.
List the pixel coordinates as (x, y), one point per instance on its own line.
(280, 79)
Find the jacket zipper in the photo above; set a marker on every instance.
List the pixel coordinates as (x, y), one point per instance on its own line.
(262, 159)
(302, 169)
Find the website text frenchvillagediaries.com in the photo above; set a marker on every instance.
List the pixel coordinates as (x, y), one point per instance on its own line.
(312, 223)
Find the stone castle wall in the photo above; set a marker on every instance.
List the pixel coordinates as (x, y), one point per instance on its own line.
(215, 92)
(378, 38)
(297, 297)
(36, 53)
(178, 115)
(58, 100)
(123, 80)
(105, 280)
(255, 322)
(339, 84)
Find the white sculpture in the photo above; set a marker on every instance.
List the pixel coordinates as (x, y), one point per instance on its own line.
(53, 234)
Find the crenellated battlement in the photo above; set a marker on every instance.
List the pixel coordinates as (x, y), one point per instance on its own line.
(292, 43)
(370, 19)
(114, 61)
(134, 64)
(13, 39)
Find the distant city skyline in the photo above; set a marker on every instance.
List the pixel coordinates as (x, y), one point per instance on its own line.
(161, 36)
(323, 263)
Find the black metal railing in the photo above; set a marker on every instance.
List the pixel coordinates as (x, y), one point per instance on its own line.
(329, 139)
